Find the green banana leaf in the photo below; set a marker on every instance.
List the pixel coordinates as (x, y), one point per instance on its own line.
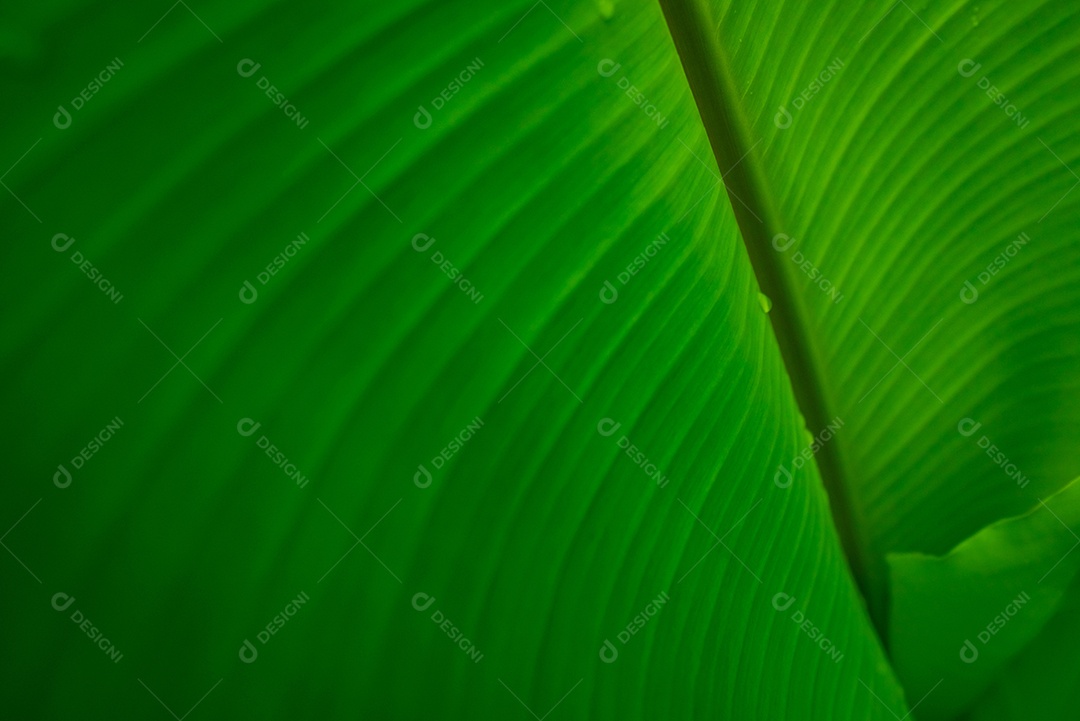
(1041, 682)
(902, 183)
(558, 359)
(965, 616)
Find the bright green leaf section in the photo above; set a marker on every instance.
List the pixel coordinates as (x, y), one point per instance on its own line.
(960, 619)
(897, 153)
(547, 183)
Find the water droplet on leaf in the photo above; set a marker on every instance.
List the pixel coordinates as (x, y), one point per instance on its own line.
(766, 304)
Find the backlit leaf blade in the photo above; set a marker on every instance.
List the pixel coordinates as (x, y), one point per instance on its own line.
(362, 359)
(898, 151)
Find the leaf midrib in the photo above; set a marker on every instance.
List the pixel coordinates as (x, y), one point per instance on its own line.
(715, 92)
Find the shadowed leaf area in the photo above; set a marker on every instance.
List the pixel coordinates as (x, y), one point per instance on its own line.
(555, 360)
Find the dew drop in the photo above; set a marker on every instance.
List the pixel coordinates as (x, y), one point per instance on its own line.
(607, 9)
(766, 304)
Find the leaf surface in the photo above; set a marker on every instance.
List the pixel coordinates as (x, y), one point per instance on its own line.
(896, 152)
(963, 617)
(364, 359)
